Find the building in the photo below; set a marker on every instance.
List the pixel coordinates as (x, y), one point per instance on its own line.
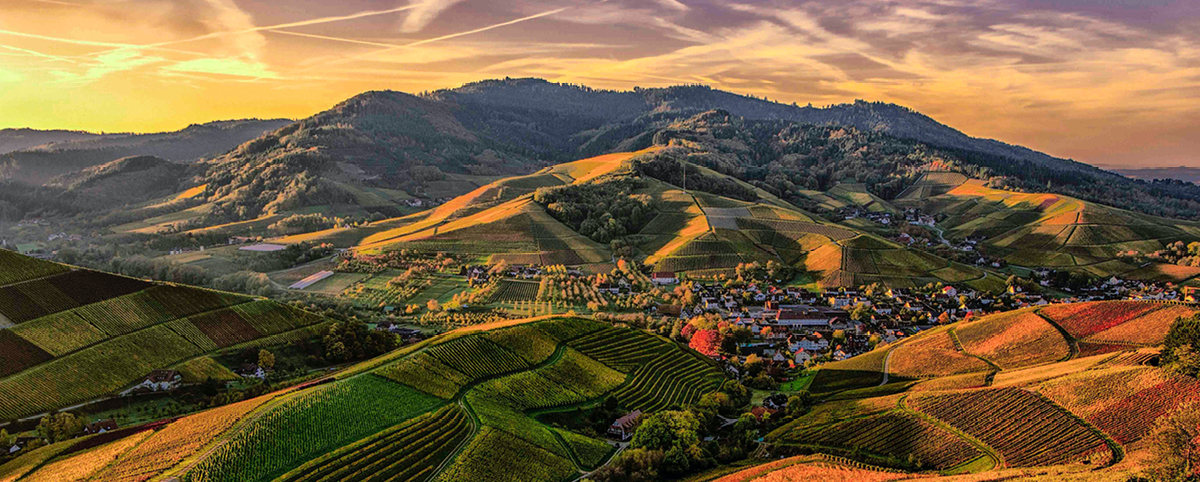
(624, 427)
(801, 316)
(100, 426)
(156, 381)
(664, 278)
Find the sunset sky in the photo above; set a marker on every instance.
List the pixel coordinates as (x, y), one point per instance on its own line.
(1105, 82)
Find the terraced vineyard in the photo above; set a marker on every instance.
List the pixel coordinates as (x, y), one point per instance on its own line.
(410, 451)
(1014, 339)
(93, 333)
(1024, 428)
(624, 350)
(673, 379)
(895, 434)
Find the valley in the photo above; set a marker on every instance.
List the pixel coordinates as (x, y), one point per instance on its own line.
(525, 281)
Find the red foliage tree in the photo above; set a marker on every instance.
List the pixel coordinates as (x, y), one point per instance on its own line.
(706, 342)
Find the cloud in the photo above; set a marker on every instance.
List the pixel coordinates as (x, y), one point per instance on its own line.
(424, 13)
(7, 76)
(228, 66)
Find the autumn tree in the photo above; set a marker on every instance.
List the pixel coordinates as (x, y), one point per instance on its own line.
(57, 427)
(707, 342)
(266, 359)
(1176, 443)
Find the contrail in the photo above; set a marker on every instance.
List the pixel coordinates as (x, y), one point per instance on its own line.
(38, 54)
(59, 2)
(443, 37)
(335, 39)
(302, 23)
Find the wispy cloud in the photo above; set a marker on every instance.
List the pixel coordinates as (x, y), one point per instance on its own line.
(424, 13)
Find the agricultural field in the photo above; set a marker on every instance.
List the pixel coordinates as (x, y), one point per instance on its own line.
(894, 434)
(623, 349)
(310, 424)
(1013, 339)
(410, 451)
(106, 331)
(511, 291)
(861, 371)
(672, 379)
(19, 268)
(933, 354)
(1033, 229)
(1130, 322)
(1026, 429)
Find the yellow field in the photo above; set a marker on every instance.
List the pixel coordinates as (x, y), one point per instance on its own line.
(193, 192)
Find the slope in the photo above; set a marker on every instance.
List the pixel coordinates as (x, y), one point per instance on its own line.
(78, 335)
(1037, 229)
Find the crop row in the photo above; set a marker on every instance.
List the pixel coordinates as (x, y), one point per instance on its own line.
(573, 378)
(496, 455)
(1026, 429)
(622, 349)
(1082, 320)
(19, 354)
(933, 354)
(15, 268)
(675, 378)
(526, 341)
(1132, 418)
(798, 227)
(569, 329)
(407, 452)
(895, 434)
(1014, 339)
(692, 263)
(477, 357)
(856, 372)
(312, 423)
(60, 333)
(510, 291)
(83, 465)
(92, 372)
(427, 374)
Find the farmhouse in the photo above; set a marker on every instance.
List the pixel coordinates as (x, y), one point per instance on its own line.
(624, 427)
(100, 426)
(664, 278)
(156, 381)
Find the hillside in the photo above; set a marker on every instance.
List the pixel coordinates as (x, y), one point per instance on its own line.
(450, 408)
(1083, 369)
(72, 335)
(449, 142)
(457, 405)
(21, 139)
(1050, 230)
(695, 231)
(60, 155)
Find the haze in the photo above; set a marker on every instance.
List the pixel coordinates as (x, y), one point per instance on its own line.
(1117, 84)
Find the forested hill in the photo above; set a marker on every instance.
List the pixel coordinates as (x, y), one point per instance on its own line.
(62, 152)
(18, 139)
(787, 158)
(444, 143)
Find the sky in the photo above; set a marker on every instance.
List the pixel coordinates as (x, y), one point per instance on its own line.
(1108, 82)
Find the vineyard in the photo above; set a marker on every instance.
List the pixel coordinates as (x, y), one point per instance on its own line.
(893, 434)
(477, 357)
(1133, 417)
(309, 425)
(1148, 329)
(622, 349)
(19, 268)
(19, 354)
(526, 342)
(81, 466)
(1024, 428)
(571, 379)
(513, 291)
(1082, 320)
(861, 371)
(673, 379)
(59, 334)
(1014, 339)
(406, 452)
(933, 354)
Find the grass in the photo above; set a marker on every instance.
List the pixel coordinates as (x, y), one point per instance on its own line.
(336, 284)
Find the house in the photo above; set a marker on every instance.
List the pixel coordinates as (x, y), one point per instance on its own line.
(251, 371)
(624, 427)
(156, 381)
(664, 278)
(950, 291)
(803, 357)
(801, 316)
(100, 426)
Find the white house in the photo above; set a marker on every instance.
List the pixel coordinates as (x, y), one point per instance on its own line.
(156, 381)
(664, 278)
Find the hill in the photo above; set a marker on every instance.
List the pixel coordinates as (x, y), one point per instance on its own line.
(62, 154)
(446, 143)
(571, 213)
(21, 139)
(74, 335)
(450, 408)
(1050, 230)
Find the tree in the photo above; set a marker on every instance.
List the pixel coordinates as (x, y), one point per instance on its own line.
(1184, 332)
(432, 305)
(1176, 443)
(753, 365)
(266, 359)
(707, 342)
(860, 312)
(57, 427)
(1184, 361)
(666, 430)
(944, 318)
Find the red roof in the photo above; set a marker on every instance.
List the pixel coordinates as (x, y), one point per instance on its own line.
(664, 274)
